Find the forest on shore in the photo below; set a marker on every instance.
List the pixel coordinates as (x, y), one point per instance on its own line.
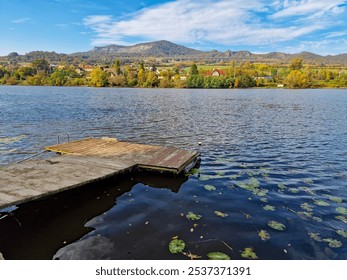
(245, 74)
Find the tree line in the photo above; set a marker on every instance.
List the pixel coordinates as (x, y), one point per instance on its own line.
(183, 75)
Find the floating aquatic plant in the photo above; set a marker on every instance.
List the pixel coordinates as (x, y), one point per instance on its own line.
(341, 210)
(308, 181)
(220, 214)
(269, 208)
(317, 219)
(276, 225)
(234, 177)
(341, 218)
(282, 186)
(254, 182)
(248, 253)
(304, 215)
(320, 202)
(294, 190)
(306, 207)
(192, 216)
(176, 246)
(315, 236)
(218, 256)
(263, 234)
(264, 199)
(191, 256)
(341, 232)
(205, 177)
(307, 190)
(210, 188)
(260, 192)
(335, 199)
(333, 243)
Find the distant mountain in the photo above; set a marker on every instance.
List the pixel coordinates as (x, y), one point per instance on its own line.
(151, 49)
(168, 50)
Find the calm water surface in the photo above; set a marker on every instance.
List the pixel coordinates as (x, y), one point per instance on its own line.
(270, 159)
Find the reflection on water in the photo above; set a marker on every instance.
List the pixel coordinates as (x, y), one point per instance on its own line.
(36, 230)
(272, 177)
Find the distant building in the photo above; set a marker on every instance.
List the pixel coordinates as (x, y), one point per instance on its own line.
(215, 73)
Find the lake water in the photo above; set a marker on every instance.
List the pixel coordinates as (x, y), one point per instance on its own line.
(270, 159)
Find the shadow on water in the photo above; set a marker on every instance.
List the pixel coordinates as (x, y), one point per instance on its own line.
(37, 229)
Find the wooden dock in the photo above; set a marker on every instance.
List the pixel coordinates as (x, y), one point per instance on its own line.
(83, 162)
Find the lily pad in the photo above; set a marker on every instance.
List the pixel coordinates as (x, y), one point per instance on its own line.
(321, 202)
(210, 188)
(248, 253)
(234, 177)
(315, 236)
(304, 215)
(276, 225)
(281, 186)
(263, 234)
(254, 182)
(341, 232)
(317, 219)
(260, 192)
(306, 207)
(294, 190)
(220, 214)
(192, 216)
(308, 181)
(342, 210)
(220, 173)
(341, 218)
(269, 208)
(333, 243)
(264, 199)
(218, 256)
(176, 246)
(335, 199)
(307, 190)
(204, 177)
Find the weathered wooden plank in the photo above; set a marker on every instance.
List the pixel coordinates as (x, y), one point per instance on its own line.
(86, 161)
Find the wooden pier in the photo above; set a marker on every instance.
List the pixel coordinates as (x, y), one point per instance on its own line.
(83, 162)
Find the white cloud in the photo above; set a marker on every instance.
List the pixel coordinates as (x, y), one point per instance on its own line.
(237, 22)
(310, 8)
(21, 20)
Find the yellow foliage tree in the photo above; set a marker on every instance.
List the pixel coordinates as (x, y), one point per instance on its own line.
(297, 79)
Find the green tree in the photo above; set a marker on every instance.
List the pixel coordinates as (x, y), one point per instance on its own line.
(116, 66)
(193, 70)
(245, 81)
(99, 78)
(41, 65)
(195, 81)
(58, 78)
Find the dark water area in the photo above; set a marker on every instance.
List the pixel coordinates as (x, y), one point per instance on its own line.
(273, 175)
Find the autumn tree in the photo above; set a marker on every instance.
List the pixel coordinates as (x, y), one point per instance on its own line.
(296, 63)
(99, 78)
(297, 79)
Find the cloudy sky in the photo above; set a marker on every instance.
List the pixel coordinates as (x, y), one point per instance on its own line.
(260, 26)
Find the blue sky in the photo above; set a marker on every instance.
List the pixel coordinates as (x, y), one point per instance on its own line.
(260, 26)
